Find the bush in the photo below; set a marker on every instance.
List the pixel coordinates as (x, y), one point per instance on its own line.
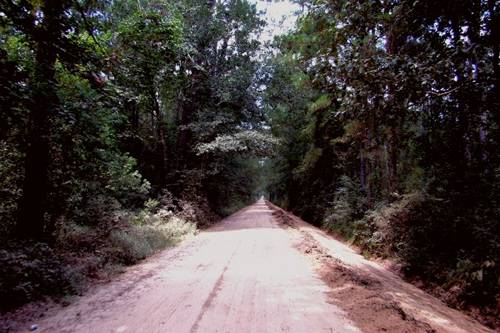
(29, 272)
(454, 252)
(382, 231)
(10, 191)
(458, 251)
(148, 231)
(346, 208)
(140, 241)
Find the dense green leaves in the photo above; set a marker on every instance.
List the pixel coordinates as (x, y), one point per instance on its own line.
(123, 124)
(139, 96)
(390, 100)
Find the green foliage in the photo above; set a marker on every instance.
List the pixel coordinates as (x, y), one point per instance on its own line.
(140, 241)
(125, 181)
(129, 121)
(30, 272)
(311, 158)
(253, 142)
(151, 205)
(387, 113)
(9, 185)
(323, 102)
(346, 209)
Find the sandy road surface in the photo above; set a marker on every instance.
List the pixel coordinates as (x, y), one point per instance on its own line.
(240, 276)
(246, 274)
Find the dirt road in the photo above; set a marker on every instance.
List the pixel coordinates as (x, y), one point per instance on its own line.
(257, 272)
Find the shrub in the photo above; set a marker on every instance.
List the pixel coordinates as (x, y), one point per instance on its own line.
(151, 205)
(10, 191)
(29, 272)
(125, 183)
(458, 253)
(140, 241)
(346, 208)
(455, 250)
(381, 231)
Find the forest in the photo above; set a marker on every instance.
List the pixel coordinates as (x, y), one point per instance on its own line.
(127, 125)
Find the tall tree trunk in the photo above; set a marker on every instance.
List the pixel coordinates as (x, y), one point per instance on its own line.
(393, 156)
(194, 91)
(460, 118)
(362, 169)
(395, 40)
(32, 205)
(494, 26)
(161, 144)
(188, 109)
(369, 163)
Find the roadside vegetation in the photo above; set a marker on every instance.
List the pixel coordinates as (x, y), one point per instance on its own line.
(80, 254)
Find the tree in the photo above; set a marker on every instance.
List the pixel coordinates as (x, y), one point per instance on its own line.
(402, 102)
(147, 42)
(44, 26)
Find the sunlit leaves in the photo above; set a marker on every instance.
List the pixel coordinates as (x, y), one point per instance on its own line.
(252, 142)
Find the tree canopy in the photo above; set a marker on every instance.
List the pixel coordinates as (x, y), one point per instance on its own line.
(389, 115)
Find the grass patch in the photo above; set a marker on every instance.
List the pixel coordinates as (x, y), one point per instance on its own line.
(140, 241)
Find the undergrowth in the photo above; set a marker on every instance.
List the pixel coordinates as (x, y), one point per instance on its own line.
(80, 253)
(429, 246)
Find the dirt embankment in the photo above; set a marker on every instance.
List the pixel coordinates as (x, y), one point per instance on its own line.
(372, 298)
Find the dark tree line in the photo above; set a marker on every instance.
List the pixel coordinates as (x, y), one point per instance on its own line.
(108, 102)
(124, 126)
(389, 111)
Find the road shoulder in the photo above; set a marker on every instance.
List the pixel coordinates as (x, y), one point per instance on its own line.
(374, 298)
